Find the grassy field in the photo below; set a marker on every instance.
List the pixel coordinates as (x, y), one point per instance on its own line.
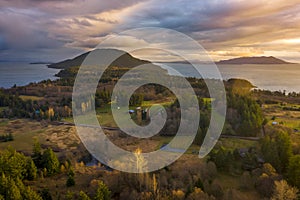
(287, 118)
(234, 143)
(104, 114)
(33, 98)
(3, 122)
(24, 133)
(22, 142)
(105, 117)
(292, 123)
(163, 103)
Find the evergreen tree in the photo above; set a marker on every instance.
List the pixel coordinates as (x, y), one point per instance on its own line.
(13, 163)
(284, 146)
(26, 192)
(12, 191)
(50, 162)
(69, 195)
(70, 181)
(102, 192)
(8, 188)
(37, 154)
(29, 194)
(293, 172)
(199, 184)
(248, 119)
(83, 196)
(45, 194)
(15, 189)
(277, 150)
(31, 170)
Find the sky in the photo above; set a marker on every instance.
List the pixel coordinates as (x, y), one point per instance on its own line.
(53, 30)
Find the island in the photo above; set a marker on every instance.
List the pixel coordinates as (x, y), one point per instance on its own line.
(253, 60)
(124, 60)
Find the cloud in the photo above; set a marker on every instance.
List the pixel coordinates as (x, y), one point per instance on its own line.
(226, 28)
(69, 7)
(102, 19)
(83, 22)
(85, 44)
(31, 25)
(22, 31)
(224, 25)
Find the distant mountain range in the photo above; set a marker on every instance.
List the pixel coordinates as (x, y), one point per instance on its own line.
(253, 60)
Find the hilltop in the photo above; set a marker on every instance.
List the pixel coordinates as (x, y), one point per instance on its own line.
(253, 60)
(126, 60)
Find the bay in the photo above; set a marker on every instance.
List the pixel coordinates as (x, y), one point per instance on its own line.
(268, 77)
(21, 74)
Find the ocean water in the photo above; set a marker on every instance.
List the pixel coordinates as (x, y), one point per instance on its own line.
(269, 77)
(23, 73)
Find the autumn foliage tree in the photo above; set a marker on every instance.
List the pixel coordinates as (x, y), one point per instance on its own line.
(283, 191)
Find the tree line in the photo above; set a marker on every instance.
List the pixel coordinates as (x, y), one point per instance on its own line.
(15, 168)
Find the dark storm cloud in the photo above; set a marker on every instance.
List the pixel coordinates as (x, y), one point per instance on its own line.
(51, 25)
(21, 31)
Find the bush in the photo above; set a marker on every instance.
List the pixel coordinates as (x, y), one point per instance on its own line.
(283, 191)
(83, 196)
(70, 181)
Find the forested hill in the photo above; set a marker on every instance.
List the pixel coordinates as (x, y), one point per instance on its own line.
(126, 60)
(116, 69)
(253, 60)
